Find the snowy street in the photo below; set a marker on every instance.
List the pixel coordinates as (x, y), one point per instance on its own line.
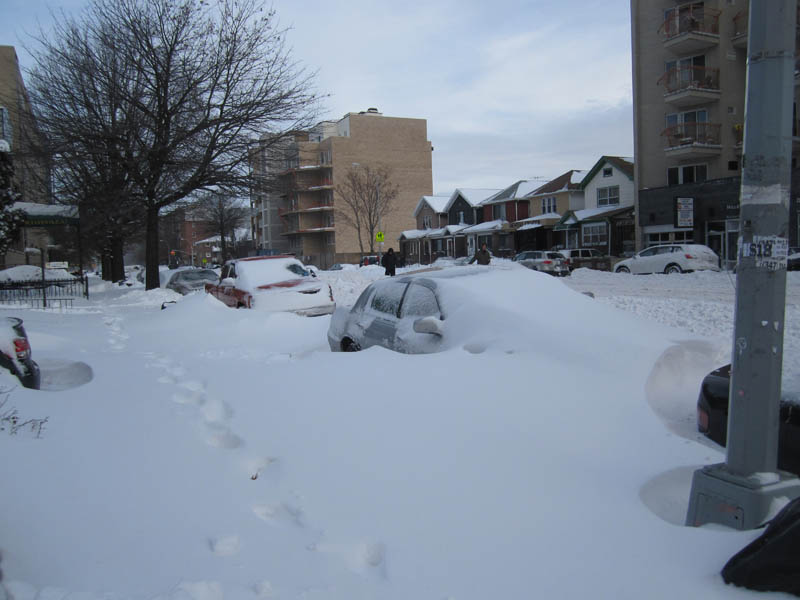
(201, 452)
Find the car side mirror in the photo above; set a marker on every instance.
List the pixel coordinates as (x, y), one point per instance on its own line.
(228, 281)
(313, 274)
(430, 325)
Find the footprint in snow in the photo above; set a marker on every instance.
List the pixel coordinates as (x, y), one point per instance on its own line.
(225, 546)
(224, 438)
(280, 513)
(361, 557)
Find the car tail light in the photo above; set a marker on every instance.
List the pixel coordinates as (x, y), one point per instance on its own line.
(22, 348)
(548, 262)
(702, 420)
(689, 256)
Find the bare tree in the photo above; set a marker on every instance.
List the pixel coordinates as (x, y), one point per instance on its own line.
(225, 212)
(198, 80)
(364, 199)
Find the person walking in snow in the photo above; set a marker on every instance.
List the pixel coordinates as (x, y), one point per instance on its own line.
(389, 262)
(482, 256)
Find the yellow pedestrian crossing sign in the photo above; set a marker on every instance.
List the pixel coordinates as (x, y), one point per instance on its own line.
(379, 236)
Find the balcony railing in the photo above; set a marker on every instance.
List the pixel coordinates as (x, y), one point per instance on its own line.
(685, 78)
(687, 134)
(694, 17)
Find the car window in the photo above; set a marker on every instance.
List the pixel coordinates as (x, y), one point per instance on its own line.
(298, 270)
(362, 299)
(554, 255)
(648, 252)
(387, 298)
(420, 301)
(665, 249)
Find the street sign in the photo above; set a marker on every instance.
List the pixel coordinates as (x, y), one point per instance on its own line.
(379, 237)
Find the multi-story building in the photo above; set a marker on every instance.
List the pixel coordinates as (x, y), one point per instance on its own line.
(689, 71)
(300, 215)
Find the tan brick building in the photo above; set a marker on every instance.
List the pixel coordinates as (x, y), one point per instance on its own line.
(317, 161)
(689, 70)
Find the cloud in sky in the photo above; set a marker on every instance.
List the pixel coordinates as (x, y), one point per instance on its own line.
(510, 89)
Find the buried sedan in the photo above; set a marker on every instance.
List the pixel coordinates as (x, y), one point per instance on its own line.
(273, 283)
(402, 314)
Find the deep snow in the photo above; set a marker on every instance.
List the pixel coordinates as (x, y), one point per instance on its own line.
(201, 452)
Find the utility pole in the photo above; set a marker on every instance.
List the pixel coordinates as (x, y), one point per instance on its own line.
(742, 492)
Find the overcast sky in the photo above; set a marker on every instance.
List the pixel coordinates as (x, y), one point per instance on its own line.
(510, 89)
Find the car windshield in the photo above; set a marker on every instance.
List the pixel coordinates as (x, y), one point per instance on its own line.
(199, 275)
(554, 255)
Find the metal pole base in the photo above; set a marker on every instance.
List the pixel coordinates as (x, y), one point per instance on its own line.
(719, 496)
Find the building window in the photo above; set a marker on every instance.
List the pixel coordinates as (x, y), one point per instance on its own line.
(686, 174)
(499, 211)
(549, 205)
(330, 239)
(461, 217)
(594, 234)
(669, 237)
(426, 222)
(608, 196)
(329, 220)
(608, 172)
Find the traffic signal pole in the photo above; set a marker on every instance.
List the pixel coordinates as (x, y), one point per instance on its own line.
(745, 491)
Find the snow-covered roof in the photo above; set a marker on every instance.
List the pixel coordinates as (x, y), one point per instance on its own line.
(473, 196)
(566, 181)
(515, 191)
(590, 213)
(437, 202)
(544, 217)
(415, 234)
(487, 226)
(34, 209)
(528, 226)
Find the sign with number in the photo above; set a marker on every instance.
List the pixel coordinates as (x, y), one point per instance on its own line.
(379, 236)
(684, 212)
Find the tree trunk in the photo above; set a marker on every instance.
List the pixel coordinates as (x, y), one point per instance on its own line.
(117, 260)
(151, 249)
(105, 261)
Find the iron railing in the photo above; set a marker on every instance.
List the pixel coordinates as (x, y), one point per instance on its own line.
(686, 134)
(52, 293)
(693, 17)
(686, 78)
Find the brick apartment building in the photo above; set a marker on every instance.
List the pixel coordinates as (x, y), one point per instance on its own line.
(689, 76)
(299, 215)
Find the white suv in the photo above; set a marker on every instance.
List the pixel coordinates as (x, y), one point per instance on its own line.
(670, 258)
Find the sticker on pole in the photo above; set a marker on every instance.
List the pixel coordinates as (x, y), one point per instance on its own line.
(770, 251)
(379, 236)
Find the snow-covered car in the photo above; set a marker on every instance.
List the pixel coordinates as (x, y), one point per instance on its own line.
(712, 418)
(546, 261)
(186, 281)
(273, 283)
(670, 258)
(15, 353)
(402, 314)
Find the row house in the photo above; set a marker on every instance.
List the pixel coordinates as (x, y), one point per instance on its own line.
(578, 209)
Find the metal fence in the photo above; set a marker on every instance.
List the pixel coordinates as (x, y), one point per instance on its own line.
(52, 293)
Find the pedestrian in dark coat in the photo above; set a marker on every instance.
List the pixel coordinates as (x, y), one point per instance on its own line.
(389, 262)
(482, 256)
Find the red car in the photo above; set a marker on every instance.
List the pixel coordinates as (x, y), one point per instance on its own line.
(273, 283)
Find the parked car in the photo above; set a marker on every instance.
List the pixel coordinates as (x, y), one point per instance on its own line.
(546, 261)
(712, 418)
(15, 353)
(402, 314)
(588, 258)
(273, 283)
(370, 260)
(670, 258)
(793, 262)
(186, 281)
